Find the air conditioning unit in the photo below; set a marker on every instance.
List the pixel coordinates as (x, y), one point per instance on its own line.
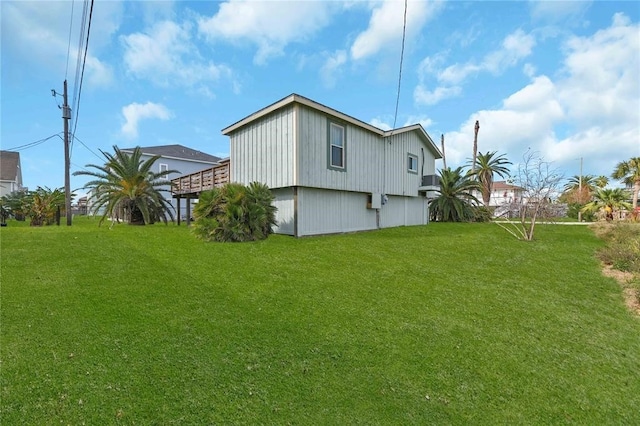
(430, 180)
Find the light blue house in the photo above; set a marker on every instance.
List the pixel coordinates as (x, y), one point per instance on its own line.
(177, 157)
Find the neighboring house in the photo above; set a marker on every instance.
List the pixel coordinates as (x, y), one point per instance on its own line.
(176, 157)
(332, 173)
(10, 173)
(504, 193)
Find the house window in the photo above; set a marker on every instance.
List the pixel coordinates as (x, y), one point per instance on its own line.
(164, 168)
(412, 163)
(337, 139)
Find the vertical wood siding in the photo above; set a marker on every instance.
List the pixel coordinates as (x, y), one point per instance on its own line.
(364, 152)
(404, 211)
(286, 211)
(322, 211)
(263, 151)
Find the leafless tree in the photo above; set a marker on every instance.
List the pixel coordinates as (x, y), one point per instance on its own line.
(539, 182)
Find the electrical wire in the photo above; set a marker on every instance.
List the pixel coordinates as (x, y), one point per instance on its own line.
(404, 32)
(66, 72)
(84, 61)
(34, 143)
(89, 149)
(79, 56)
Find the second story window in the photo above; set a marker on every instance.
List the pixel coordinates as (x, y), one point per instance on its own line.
(163, 168)
(336, 146)
(412, 163)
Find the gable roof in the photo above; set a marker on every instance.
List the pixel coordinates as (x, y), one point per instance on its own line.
(9, 165)
(179, 152)
(503, 185)
(295, 98)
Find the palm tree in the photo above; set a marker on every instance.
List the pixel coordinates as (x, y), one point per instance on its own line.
(629, 173)
(608, 201)
(126, 185)
(601, 181)
(455, 201)
(485, 167)
(235, 213)
(580, 188)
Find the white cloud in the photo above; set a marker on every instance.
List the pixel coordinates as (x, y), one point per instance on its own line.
(386, 23)
(602, 81)
(515, 47)
(166, 55)
(270, 25)
(557, 11)
(135, 112)
(332, 66)
(40, 37)
(423, 120)
(380, 123)
(588, 111)
(423, 96)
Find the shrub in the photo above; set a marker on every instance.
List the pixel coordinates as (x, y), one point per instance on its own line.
(235, 213)
(622, 251)
(483, 214)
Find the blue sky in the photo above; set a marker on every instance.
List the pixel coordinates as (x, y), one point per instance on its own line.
(558, 77)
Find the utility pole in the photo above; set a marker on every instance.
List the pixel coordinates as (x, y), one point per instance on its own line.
(66, 116)
(580, 191)
(444, 158)
(475, 147)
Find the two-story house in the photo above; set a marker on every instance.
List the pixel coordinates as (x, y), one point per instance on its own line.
(332, 173)
(176, 157)
(10, 173)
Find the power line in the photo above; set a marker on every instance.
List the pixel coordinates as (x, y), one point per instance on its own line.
(404, 32)
(79, 56)
(66, 72)
(34, 143)
(89, 149)
(84, 61)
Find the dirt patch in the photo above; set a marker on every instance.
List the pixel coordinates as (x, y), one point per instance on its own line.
(631, 295)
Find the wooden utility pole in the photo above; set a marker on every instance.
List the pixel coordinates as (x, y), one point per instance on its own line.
(66, 116)
(475, 147)
(444, 158)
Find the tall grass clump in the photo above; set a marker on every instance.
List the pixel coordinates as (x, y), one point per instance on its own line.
(622, 250)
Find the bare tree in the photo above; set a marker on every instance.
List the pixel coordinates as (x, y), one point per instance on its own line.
(539, 182)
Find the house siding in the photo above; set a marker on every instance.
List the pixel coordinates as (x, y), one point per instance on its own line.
(364, 153)
(323, 211)
(264, 151)
(285, 215)
(404, 211)
(184, 167)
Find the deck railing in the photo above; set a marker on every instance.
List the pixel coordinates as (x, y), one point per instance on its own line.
(203, 180)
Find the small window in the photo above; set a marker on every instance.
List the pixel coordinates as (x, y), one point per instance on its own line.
(164, 168)
(336, 146)
(412, 163)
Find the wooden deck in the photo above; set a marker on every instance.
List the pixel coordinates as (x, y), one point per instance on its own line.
(189, 186)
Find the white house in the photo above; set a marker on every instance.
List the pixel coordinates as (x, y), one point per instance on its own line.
(176, 157)
(504, 193)
(10, 173)
(330, 172)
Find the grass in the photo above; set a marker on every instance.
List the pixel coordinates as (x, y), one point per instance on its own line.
(443, 324)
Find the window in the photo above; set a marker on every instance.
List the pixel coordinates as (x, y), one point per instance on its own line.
(412, 163)
(164, 168)
(336, 146)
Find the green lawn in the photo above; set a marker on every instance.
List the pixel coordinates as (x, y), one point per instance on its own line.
(443, 324)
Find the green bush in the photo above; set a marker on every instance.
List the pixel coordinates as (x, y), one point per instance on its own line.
(483, 214)
(622, 250)
(235, 213)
